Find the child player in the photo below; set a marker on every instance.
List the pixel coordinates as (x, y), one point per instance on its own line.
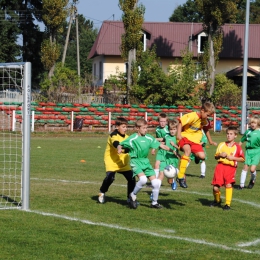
(252, 155)
(203, 142)
(138, 146)
(160, 132)
(170, 158)
(228, 154)
(115, 162)
(189, 134)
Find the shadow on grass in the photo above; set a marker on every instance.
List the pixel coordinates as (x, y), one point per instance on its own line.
(10, 200)
(206, 202)
(166, 203)
(111, 199)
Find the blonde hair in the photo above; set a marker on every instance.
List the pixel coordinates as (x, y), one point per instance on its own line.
(173, 123)
(254, 119)
(140, 122)
(208, 107)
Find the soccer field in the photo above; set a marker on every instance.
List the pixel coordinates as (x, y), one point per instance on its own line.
(66, 222)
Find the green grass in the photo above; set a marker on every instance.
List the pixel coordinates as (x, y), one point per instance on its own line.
(66, 222)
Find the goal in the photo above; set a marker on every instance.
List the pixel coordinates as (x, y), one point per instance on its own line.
(15, 99)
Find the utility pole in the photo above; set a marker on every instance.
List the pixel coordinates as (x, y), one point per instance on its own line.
(68, 34)
(77, 36)
(245, 64)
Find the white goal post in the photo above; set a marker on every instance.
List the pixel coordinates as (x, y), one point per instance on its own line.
(15, 95)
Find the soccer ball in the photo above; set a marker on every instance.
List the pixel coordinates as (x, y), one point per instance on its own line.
(170, 171)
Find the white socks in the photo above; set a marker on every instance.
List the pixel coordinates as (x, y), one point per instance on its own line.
(139, 185)
(203, 168)
(243, 178)
(156, 172)
(156, 183)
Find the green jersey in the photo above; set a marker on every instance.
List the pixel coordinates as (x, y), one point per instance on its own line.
(161, 132)
(252, 138)
(169, 158)
(139, 146)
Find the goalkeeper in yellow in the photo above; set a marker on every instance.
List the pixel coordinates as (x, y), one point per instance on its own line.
(189, 134)
(115, 162)
(228, 154)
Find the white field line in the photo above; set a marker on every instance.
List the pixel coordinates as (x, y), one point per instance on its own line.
(253, 243)
(253, 204)
(257, 241)
(147, 232)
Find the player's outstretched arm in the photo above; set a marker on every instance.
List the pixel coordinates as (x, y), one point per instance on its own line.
(211, 142)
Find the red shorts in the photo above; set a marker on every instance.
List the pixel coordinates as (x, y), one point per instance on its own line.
(224, 174)
(195, 148)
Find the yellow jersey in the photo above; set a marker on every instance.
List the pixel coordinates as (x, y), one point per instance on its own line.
(192, 126)
(234, 150)
(114, 161)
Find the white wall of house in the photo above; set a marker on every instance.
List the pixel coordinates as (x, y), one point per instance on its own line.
(109, 65)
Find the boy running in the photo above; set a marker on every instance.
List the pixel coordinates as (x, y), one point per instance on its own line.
(138, 146)
(189, 134)
(252, 139)
(228, 154)
(160, 133)
(115, 162)
(170, 158)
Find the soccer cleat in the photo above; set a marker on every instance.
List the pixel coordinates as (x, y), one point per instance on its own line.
(240, 188)
(226, 207)
(133, 203)
(182, 183)
(156, 206)
(251, 184)
(197, 160)
(174, 185)
(101, 198)
(215, 204)
(202, 176)
(128, 202)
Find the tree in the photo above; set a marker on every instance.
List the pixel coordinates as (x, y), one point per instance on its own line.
(32, 37)
(9, 33)
(115, 87)
(215, 14)
(54, 15)
(131, 47)
(154, 86)
(63, 80)
(224, 88)
(187, 12)
(183, 88)
(87, 36)
(254, 17)
(151, 80)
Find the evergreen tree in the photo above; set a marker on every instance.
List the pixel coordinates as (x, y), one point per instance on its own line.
(9, 33)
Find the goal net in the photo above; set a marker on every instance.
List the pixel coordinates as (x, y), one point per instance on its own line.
(15, 108)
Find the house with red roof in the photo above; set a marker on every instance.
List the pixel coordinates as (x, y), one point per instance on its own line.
(171, 39)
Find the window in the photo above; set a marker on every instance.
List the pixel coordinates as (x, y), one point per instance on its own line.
(143, 40)
(100, 70)
(202, 41)
(95, 70)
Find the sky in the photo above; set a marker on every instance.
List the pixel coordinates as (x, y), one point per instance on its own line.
(100, 10)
